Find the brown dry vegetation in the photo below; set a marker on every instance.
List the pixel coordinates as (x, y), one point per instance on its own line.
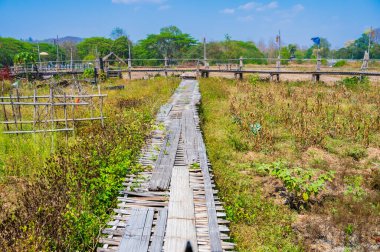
(317, 127)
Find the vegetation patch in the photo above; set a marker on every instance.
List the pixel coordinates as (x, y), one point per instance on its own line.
(62, 199)
(296, 162)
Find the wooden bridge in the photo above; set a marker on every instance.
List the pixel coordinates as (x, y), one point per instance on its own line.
(201, 70)
(172, 205)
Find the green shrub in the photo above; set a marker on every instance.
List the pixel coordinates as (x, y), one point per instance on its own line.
(355, 82)
(88, 73)
(340, 63)
(356, 152)
(302, 184)
(354, 187)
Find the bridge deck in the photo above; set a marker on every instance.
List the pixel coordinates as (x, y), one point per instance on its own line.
(211, 70)
(173, 203)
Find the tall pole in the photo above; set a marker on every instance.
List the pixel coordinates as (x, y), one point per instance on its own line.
(279, 44)
(278, 62)
(57, 50)
(71, 58)
(369, 40)
(204, 52)
(39, 56)
(129, 55)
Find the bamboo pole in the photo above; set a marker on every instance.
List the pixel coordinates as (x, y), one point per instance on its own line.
(66, 123)
(35, 109)
(52, 117)
(19, 107)
(101, 107)
(4, 110)
(13, 111)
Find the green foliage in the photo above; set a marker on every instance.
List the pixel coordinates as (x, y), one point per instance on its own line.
(324, 49)
(354, 187)
(356, 82)
(285, 55)
(94, 45)
(340, 63)
(120, 46)
(257, 223)
(24, 58)
(302, 184)
(89, 73)
(253, 79)
(356, 152)
(9, 47)
(118, 32)
(170, 42)
(82, 178)
(222, 51)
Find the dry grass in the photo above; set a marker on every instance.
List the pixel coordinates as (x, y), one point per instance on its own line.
(317, 127)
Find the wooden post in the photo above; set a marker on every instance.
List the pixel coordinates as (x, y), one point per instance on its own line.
(19, 107)
(241, 64)
(13, 111)
(65, 113)
(205, 54)
(166, 66)
(4, 110)
(73, 109)
(34, 109)
(52, 118)
(101, 106)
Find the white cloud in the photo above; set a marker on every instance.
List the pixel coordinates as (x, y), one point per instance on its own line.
(248, 6)
(138, 1)
(298, 8)
(228, 11)
(164, 7)
(271, 5)
(258, 6)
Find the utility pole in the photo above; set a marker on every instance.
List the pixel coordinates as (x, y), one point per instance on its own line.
(57, 50)
(71, 58)
(369, 40)
(278, 62)
(129, 55)
(204, 53)
(39, 56)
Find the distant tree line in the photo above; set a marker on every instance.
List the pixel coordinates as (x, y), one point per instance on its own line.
(172, 43)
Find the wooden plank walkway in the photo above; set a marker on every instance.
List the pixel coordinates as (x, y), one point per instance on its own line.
(173, 203)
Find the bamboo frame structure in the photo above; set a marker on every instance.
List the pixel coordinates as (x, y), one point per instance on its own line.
(50, 113)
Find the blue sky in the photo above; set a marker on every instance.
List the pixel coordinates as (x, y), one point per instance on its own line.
(337, 20)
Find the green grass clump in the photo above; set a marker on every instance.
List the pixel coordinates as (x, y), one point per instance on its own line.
(340, 63)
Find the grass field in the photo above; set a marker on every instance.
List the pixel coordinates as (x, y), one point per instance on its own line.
(61, 200)
(296, 163)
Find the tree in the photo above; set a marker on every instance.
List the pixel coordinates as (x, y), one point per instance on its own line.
(324, 49)
(120, 46)
(94, 47)
(25, 58)
(171, 42)
(292, 49)
(117, 32)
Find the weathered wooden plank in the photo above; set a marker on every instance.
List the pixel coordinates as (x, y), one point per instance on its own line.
(162, 172)
(159, 233)
(189, 137)
(181, 218)
(215, 240)
(137, 232)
